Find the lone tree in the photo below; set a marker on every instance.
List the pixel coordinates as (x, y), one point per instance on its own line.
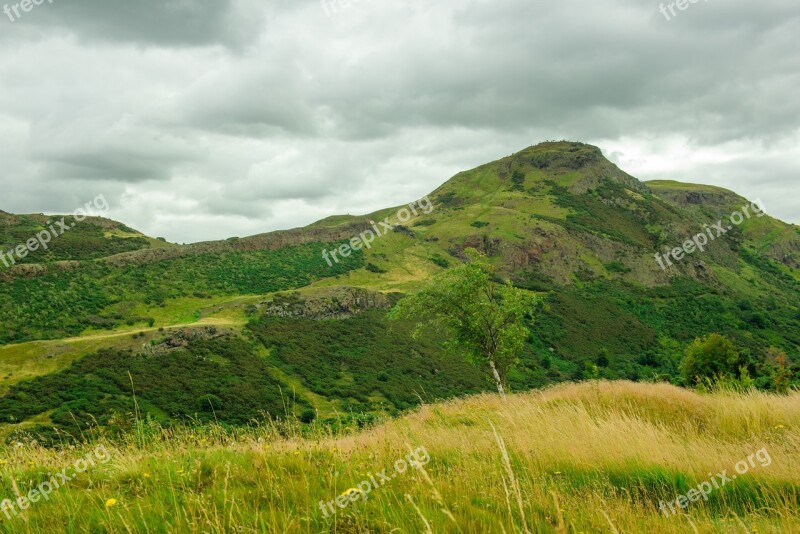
(483, 317)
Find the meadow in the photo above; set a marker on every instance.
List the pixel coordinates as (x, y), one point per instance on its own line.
(495, 466)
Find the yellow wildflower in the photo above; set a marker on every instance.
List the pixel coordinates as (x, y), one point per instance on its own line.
(352, 491)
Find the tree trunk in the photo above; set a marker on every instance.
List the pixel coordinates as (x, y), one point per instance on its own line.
(500, 388)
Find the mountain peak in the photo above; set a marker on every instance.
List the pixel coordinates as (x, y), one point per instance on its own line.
(579, 167)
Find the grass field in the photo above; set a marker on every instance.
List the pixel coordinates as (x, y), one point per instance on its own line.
(590, 457)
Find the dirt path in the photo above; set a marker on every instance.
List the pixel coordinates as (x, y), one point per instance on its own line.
(208, 321)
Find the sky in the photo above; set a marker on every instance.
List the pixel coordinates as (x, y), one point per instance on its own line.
(206, 119)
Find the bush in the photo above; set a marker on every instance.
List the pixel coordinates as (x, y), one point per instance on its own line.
(518, 180)
(441, 262)
(710, 358)
(308, 416)
(209, 403)
(374, 268)
(617, 267)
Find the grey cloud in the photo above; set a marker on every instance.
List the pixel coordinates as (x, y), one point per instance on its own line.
(214, 118)
(146, 22)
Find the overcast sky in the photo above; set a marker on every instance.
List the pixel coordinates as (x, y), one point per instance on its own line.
(205, 119)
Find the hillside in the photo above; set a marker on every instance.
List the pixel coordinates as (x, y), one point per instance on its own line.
(556, 218)
(66, 239)
(591, 457)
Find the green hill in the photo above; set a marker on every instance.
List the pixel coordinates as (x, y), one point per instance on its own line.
(93, 237)
(556, 218)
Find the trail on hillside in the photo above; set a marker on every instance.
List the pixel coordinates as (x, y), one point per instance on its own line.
(94, 337)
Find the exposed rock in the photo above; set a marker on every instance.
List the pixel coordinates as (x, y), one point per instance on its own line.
(339, 303)
(179, 339)
(683, 198)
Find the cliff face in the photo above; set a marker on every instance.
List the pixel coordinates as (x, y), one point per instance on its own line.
(337, 303)
(269, 241)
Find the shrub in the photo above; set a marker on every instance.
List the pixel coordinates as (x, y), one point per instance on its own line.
(518, 180)
(712, 357)
(374, 268)
(209, 403)
(308, 416)
(441, 262)
(617, 267)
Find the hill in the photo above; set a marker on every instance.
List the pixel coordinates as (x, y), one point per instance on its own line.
(89, 238)
(591, 457)
(556, 218)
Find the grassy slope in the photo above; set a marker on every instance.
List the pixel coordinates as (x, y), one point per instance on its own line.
(607, 296)
(67, 302)
(608, 452)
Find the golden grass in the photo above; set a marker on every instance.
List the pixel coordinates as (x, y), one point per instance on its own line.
(592, 457)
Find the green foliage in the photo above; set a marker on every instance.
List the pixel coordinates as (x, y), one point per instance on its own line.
(449, 200)
(64, 303)
(727, 382)
(209, 403)
(518, 181)
(484, 319)
(617, 267)
(308, 416)
(646, 330)
(440, 261)
(84, 240)
(364, 363)
(371, 267)
(597, 212)
(711, 357)
(210, 380)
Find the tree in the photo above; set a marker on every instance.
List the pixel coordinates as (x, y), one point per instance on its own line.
(780, 368)
(711, 357)
(484, 317)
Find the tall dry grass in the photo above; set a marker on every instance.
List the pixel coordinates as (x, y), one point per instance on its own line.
(592, 457)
